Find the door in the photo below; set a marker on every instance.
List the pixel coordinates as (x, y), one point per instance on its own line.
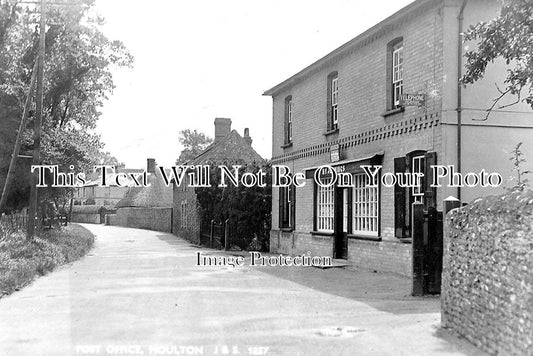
(342, 221)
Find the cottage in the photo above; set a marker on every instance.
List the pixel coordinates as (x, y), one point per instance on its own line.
(147, 207)
(389, 97)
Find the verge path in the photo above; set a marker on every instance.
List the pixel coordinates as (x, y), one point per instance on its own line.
(140, 292)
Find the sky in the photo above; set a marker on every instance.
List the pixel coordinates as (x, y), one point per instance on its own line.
(202, 59)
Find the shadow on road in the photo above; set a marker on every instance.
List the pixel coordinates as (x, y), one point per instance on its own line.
(384, 291)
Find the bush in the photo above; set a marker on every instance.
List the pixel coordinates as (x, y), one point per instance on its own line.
(21, 259)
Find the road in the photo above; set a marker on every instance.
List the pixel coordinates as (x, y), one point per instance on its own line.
(140, 292)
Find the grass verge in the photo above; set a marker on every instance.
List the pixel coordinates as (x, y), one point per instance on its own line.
(22, 260)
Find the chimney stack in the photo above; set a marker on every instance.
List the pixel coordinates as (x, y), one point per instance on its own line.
(150, 165)
(247, 137)
(222, 128)
(120, 167)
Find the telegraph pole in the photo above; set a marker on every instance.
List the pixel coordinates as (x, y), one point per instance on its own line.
(16, 149)
(37, 125)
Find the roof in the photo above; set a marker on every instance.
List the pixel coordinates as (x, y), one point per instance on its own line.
(232, 147)
(87, 209)
(157, 195)
(350, 45)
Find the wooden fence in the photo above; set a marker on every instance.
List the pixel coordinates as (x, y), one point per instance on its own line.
(18, 221)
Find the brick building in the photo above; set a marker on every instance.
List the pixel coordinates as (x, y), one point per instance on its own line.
(228, 148)
(349, 108)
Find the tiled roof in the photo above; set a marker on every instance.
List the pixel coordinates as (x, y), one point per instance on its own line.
(233, 147)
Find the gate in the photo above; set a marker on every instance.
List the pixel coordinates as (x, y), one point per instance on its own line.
(427, 250)
(213, 234)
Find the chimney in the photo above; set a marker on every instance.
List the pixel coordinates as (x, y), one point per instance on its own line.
(120, 167)
(247, 137)
(150, 165)
(222, 128)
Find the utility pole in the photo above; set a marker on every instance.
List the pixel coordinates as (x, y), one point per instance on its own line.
(16, 149)
(37, 125)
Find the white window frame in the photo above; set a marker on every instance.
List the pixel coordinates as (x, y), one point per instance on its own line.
(184, 214)
(335, 101)
(417, 166)
(397, 73)
(365, 206)
(325, 199)
(289, 121)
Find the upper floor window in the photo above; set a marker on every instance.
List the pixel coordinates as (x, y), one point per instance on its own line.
(397, 73)
(333, 101)
(394, 73)
(365, 206)
(288, 119)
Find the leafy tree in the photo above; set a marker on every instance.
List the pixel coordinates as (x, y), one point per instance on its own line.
(78, 64)
(193, 143)
(509, 37)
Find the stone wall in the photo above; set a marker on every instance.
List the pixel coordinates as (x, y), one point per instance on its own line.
(85, 218)
(487, 281)
(158, 219)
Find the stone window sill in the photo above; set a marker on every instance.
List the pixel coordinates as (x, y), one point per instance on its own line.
(331, 132)
(393, 111)
(363, 237)
(288, 144)
(287, 229)
(321, 233)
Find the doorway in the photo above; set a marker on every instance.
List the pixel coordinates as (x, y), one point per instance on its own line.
(342, 222)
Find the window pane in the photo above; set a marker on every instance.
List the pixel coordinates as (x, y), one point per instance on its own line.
(324, 203)
(365, 207)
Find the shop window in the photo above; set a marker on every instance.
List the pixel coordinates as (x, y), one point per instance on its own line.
(325, 207)
(365, 206)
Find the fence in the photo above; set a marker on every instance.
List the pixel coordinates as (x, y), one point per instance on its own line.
(18, 221)
(215, 235)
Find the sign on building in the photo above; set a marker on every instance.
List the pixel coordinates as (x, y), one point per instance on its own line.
(334, 153)
(413, 99)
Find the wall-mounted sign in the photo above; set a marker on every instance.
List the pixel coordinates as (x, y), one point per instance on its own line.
(413, 99)
(334, 154)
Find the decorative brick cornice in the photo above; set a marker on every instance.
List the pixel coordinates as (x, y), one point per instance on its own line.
(391, 130)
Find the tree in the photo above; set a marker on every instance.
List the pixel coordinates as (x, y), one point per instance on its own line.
(193, 143)
(78, 80)
(509, 37)
(520, 181)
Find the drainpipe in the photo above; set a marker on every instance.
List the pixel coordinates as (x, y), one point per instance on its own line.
(460, 17)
